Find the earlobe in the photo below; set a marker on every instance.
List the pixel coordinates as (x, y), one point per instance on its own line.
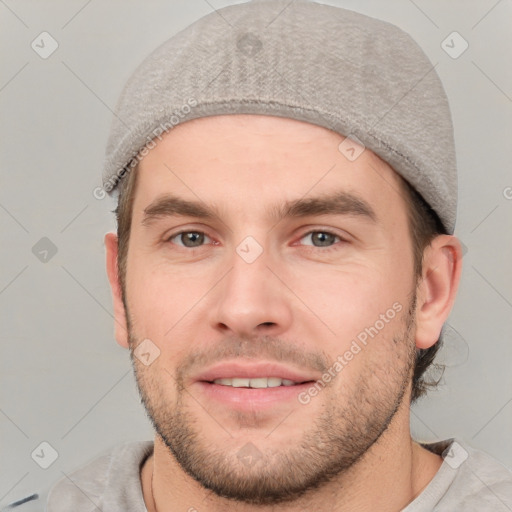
(437, 288)
(121, 330)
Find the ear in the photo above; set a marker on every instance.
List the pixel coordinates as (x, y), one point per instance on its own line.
(437, 288)
(121, 330)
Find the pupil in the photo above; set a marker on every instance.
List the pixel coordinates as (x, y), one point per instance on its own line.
(323, 238)
(194, 237)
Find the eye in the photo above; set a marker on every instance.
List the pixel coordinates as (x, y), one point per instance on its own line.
(321, 238)
(189, 239)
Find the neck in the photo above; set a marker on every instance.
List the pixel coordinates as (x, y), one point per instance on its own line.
(394, 462)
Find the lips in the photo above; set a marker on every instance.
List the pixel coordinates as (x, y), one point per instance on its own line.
(262, 374)
(249, 386)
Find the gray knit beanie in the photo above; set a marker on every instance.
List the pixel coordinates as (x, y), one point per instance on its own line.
(358, 76)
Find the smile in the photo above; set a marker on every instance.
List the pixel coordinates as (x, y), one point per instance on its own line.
(258, 382)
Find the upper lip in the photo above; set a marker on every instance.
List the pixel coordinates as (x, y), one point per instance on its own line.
(230, 370)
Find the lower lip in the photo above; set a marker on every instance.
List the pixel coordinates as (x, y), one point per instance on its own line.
(249, 399)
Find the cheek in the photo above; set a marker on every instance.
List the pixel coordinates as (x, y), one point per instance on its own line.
(351, 298)
(162, 298)
(364, 308)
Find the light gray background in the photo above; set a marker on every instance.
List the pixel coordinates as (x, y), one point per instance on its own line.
(64, 380)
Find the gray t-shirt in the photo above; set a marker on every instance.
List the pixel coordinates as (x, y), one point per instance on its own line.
(469, 480)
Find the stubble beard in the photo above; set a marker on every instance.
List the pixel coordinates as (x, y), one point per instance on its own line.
(350, 423)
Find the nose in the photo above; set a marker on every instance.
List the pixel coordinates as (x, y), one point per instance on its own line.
(250, 300)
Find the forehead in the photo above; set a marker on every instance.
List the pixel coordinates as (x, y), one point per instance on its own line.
(252, 162)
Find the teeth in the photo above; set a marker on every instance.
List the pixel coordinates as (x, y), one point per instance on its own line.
(259, 382)
(273, 382)
(240, 383)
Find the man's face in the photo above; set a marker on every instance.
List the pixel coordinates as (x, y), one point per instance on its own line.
(251, 294)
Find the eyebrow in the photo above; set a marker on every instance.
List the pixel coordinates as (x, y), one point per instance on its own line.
(338, 203)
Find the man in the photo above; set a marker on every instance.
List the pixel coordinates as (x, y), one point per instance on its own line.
(283, 267)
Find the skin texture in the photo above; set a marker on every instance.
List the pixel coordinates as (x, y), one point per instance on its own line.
(301, 302)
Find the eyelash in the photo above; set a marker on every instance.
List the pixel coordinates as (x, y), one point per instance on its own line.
(309, 247)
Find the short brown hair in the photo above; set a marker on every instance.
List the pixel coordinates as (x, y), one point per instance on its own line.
(424, 226)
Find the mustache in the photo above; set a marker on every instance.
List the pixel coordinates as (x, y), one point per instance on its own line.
(261, 347)
(269, 348)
